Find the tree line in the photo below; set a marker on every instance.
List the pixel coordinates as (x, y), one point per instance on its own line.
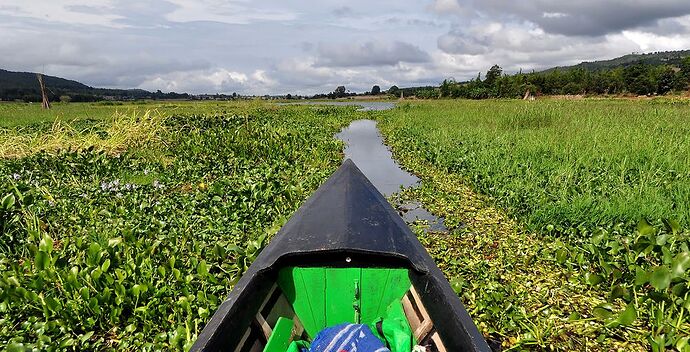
(90, 95)
(636, 79)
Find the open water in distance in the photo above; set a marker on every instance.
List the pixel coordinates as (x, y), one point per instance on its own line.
(364, 145)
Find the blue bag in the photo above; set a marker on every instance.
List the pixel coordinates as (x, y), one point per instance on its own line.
(347, 338)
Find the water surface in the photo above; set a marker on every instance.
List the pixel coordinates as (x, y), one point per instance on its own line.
(364, 145)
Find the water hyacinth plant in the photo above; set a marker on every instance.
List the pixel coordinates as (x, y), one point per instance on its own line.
(134, 248)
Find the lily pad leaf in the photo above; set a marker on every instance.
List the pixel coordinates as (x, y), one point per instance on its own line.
(603, 311)
(594, 279)
(644, 228)
(680, 263)
(42, 260)
(660, 278)
(628, 316)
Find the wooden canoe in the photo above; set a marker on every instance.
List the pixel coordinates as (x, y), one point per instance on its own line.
(343, 257)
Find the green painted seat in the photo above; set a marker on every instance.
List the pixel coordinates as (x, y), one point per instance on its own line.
(323, 297)
(281, 336)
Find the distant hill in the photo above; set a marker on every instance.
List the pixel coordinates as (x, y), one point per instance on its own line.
(27, 80)
(673, 58)
(24, 86)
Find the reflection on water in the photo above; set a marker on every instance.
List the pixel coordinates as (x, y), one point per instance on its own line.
(413, 211)
(364, 145)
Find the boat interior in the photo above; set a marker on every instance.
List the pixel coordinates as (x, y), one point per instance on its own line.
(305, 300)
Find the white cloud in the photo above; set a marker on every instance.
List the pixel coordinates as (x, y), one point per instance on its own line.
(554, 15)
(516, 46)
(445, 7)
(274, 46)
(72, 12)
(654, 42)
(573, 18)
(219, 80)
(369, 53)
(224, 11)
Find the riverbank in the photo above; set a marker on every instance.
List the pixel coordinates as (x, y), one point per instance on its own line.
(554, 255)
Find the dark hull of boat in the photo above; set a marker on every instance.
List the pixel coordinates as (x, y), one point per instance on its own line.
(346, 223)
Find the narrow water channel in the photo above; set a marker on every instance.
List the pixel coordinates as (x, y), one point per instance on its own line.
(364, 145)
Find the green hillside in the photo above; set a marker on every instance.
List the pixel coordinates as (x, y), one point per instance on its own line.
(673, 58)
(24, 86)
(26, 80)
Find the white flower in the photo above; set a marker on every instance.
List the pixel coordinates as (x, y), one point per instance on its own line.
(16, 176)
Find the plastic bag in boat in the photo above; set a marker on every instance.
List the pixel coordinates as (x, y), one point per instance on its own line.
(347, 338)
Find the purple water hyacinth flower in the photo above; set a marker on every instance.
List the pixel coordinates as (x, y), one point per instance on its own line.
(112, 186)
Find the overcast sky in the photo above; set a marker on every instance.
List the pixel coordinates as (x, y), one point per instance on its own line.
(305, 47)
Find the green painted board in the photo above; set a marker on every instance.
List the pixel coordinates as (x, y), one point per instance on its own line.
(340, 295)
(323, 297)
(397, 284)
(305, 289)
(373, 288)
(280, 337)
(380, 287)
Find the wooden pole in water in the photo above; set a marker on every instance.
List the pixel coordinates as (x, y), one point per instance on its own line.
(45, 102)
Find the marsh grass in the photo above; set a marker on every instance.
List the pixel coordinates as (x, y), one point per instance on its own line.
(113, 135)
(561, 163)
(575, 213)
(27, 114)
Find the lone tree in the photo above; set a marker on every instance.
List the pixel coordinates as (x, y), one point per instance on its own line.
(394, 90)
(683, 76)
(493, 75)
(375, 90)
(339, 92)
(45, 103)
(637, 79)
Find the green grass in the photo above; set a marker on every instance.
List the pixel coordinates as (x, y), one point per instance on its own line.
(135, 249)
(25, 114)
(596, 258)
(561, 163)
(22, 115)
(132, 237)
